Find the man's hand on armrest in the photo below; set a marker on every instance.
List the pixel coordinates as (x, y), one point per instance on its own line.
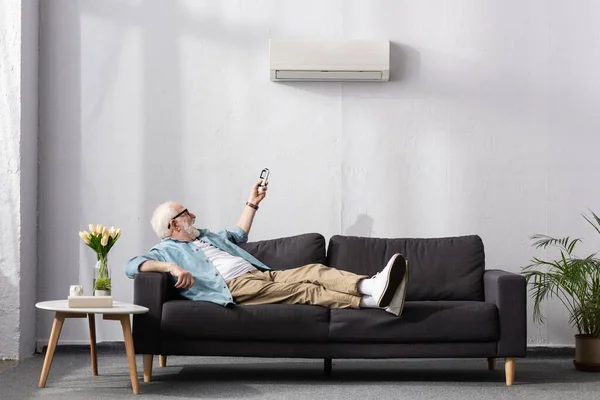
(184, 278)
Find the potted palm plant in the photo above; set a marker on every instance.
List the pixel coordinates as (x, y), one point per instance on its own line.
(575, 281)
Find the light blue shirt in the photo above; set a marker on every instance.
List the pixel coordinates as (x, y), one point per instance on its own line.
(208, 283)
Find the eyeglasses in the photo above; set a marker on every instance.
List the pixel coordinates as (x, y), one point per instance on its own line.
(185, 210)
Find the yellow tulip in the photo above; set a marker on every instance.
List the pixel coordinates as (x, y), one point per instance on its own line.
(85, 236)
(112, 232)
(118, 233)
(98, 228)
(104, 240)
(104, 231)
(92, 228)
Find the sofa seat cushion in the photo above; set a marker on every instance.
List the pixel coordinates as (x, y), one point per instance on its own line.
(276, 322)
(420, 322)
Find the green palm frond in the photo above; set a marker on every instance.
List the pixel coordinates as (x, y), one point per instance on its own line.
(585, 316)
(595, 223)
(545, 285)
(573, 280)
(566, 244)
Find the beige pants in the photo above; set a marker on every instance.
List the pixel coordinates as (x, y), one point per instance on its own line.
(314, 284)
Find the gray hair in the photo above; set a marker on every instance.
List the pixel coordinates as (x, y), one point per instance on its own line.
(161, 217)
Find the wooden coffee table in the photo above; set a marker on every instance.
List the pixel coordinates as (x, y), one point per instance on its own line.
(119, 312)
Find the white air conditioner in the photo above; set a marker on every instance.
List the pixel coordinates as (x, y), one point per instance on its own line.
(350, 60)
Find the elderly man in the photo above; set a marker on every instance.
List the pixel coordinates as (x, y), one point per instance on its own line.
(207, 266)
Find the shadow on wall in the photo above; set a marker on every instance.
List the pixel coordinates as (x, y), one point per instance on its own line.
(60, 197)
(162, 92)
(405, 70)
(206, 24)
(363, 227)
(405, 64)
(161, 25)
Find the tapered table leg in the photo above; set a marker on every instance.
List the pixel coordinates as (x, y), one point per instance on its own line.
(59, 319)
(93, 354)
(126, 324)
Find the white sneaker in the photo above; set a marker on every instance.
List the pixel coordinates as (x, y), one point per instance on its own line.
(388, 280)
(397, 304)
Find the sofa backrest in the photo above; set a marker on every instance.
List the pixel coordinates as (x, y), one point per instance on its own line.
(448, 268)
(289, 252)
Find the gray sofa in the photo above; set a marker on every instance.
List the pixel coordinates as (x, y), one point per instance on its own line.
(455, 308)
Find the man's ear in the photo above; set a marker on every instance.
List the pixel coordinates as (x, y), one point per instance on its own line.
(175, 226)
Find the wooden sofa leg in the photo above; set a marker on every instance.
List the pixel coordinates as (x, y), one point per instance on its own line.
(148, 358)
(162, 361)
(327, 366)
(491, 363)
(509, 370)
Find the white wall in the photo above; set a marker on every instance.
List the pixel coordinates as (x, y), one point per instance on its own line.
(18, 176)
(487, 127)
(10, 20)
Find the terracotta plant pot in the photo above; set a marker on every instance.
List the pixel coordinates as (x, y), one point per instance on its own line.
(587, 353)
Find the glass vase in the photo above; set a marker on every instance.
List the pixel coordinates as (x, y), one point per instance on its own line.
(102, 283)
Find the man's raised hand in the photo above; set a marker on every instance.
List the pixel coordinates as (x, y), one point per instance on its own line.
(256, 195)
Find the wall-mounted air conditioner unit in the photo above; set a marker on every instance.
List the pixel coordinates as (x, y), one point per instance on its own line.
(349, 60)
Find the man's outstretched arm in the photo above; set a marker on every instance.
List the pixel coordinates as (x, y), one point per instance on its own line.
(245, 221)
(184, 278)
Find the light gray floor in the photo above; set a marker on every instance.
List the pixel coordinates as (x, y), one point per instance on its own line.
(252, 378)
(4, 365)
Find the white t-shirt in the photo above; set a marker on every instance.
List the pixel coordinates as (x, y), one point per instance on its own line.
(230, 267)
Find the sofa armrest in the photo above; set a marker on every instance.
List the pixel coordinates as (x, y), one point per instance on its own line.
(508, 291)
(149, 290)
